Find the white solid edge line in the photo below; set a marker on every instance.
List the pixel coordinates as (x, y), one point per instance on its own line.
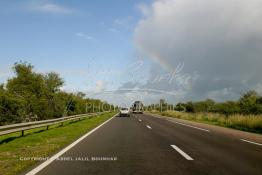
(182, 152)
(180, 123)
(251, 142)
(54, 157)
(206, 130)
(148, 127)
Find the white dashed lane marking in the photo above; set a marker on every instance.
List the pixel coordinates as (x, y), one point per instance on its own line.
(148, 127)
(182, 152)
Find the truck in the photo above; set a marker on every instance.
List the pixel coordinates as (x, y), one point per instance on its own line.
(138, 107)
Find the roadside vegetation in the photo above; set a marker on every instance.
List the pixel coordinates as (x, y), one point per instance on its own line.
(250, 123)
(243, 114)
(41, 143)
(30, 96)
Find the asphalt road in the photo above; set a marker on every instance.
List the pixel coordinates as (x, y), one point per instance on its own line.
(142, 144)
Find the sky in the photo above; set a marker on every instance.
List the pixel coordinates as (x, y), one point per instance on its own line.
(123, 51)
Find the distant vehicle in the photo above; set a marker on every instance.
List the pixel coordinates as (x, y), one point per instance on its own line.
(138, 107)
(124, 112)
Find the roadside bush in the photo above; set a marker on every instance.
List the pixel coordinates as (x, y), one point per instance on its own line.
(252, 123)
(34, 95)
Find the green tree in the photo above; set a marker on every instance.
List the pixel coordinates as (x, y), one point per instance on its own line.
(248, 102)
(53, 82)
(11, 108)
(28, 87)
(30, 94)
(227, 108)
(180, 107)
(190, 107)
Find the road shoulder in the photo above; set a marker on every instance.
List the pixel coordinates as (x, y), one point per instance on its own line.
(215, 129)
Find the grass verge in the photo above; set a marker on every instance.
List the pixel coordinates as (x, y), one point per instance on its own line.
(250, 123)
(41, 143)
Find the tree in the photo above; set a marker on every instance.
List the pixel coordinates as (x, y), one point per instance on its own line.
(180, 107)
(189, 107)
(209, 104)
(1, 87)
(248, 101)
(81, 94)
(30, 93)
(227, 108)
(11, 108)
(53, 82)
(259, 100)
(28, 87)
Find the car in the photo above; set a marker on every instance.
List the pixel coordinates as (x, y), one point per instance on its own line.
(124, 112)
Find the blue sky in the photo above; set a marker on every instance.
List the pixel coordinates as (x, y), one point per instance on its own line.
(126, 50)
(74, 38)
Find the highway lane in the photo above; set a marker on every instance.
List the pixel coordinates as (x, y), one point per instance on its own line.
(212, 152)
(143, 144)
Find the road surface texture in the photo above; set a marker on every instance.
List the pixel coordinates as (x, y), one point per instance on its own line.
(143, 144)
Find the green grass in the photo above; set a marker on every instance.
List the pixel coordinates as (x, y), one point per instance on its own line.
(250, 123)
(41, 143)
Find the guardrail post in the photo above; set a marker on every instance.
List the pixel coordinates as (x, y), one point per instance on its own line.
(47, 127)
(22, 132)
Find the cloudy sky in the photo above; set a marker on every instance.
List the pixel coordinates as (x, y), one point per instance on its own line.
(121, 51)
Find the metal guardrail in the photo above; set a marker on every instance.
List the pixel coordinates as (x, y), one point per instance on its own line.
(8, 129)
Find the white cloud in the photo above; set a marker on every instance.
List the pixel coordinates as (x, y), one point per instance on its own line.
(142, 7)
(100, 86)
(123, 21)
(84, 36)
(48, 7)
(221, 40)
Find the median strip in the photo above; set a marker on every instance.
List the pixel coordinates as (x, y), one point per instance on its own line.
(182, 152)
